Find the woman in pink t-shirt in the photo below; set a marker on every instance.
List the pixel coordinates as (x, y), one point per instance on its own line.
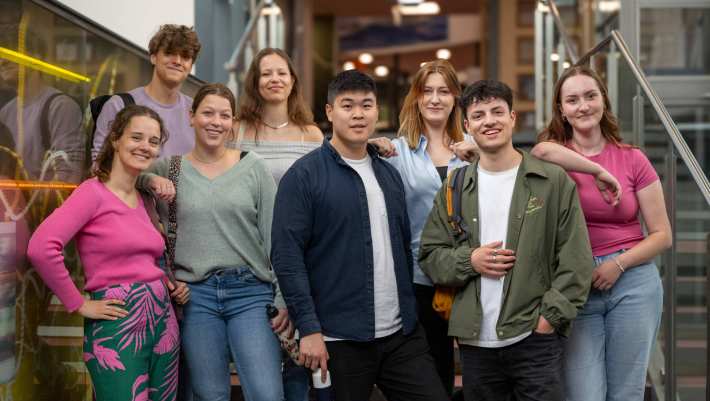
(612, 337)
(131, 340)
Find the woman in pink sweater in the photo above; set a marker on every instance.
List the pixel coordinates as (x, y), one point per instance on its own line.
(610, 345)
(130, 331)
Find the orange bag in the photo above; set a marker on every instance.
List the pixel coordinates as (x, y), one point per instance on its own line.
(444, 296)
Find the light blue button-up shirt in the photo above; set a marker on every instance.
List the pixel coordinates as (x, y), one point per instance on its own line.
(421, 184)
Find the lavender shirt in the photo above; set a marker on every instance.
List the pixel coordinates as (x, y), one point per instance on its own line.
(181, 137)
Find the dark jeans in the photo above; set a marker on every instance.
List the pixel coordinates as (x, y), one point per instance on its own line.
(441, 346)
(400, 365)
(530, 370)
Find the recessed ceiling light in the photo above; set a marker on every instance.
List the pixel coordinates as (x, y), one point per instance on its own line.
(382, 71)
(444, 54)
(366, 58)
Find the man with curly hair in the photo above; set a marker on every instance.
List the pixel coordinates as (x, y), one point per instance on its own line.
(173, 50)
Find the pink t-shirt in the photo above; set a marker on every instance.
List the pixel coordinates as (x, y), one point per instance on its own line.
(612, 228)
(116, 244)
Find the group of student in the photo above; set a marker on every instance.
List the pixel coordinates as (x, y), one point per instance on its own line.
(555, 294)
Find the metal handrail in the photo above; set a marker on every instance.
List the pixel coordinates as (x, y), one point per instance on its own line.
(563, 32)
(701, 180)
(234, 61)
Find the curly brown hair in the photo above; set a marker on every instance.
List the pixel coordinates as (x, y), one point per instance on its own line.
(104, 161)
(175, 39)
(411, 123)
(251, 103)
(559, 130)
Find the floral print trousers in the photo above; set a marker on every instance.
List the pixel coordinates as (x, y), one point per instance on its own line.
(134, 358)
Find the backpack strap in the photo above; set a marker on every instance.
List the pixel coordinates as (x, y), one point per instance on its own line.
(152, 209)
(127, 99)
(174, 176)
(44, 122)
(454, 200)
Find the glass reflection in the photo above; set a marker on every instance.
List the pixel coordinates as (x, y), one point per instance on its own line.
(42, 149)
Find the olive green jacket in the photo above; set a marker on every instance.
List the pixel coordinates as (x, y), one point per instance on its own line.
(546, 228)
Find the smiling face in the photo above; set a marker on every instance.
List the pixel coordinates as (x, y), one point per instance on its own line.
(212, 121)
(491, 124)
(582, 103)
(275, 79)
(139, 144)
(171, 69)
(353, 115)
(436, 100)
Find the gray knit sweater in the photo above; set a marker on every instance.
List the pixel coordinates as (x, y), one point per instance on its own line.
(222, 222)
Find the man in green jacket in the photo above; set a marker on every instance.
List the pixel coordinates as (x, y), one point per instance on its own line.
(522, 270)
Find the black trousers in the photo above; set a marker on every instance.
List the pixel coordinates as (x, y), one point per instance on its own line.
(530, 370)
(441, 346)
(399, 365)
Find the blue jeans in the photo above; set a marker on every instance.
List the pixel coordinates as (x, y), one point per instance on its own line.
(297, 381)
(226, 315)
(607, 353)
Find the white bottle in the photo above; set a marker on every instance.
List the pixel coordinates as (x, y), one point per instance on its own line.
(321, 389)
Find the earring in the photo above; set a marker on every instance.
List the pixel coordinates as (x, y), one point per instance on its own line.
(564, 117)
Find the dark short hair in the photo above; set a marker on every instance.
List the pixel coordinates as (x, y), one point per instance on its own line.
(350, 81)
(485, 90)
(175, 39)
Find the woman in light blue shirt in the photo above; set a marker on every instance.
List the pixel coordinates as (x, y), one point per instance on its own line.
(430, 131)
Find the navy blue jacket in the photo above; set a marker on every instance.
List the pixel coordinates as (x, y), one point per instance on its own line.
(321, 246)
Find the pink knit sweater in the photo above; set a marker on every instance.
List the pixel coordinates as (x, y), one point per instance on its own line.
(116, 244)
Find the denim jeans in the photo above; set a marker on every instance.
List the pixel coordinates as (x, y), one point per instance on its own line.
(296, 380)
(226, 315)
(608, 350)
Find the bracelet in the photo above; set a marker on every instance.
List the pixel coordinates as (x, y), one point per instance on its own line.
(618, 264)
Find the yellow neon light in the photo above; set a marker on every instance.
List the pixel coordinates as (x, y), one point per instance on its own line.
(18, 184)
(43, 66)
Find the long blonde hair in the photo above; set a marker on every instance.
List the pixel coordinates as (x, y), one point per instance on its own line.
(411, 123)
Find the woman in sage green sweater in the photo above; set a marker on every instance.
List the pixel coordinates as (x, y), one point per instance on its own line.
(225, 201)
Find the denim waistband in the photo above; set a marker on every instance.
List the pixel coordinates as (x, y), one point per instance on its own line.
(599, 259)
(227, 271)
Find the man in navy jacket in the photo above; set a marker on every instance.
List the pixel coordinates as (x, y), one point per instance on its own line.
(340, 249)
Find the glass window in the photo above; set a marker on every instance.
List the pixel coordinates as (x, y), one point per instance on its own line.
(674, 41)
(49, 69)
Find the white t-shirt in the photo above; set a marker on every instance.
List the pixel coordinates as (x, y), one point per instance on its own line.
(387, 316)
(495, 193)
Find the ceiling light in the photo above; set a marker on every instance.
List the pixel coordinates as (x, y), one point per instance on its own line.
(554, 57)
(382, 71)
(365, 58)
(566, 65)
(423, 8)
(43, 66)
(348, 65)
(543, 8)
(608, 6)
(271, 10)
(443, 54)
